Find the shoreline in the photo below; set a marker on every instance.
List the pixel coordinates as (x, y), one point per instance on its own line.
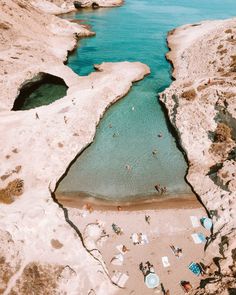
(149, 202)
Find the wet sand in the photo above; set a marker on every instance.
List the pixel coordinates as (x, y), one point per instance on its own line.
(79, 200)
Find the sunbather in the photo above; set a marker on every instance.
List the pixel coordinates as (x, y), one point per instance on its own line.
(146, 268)
(125, 249)
(178, 252)
(117, 229)
(142, 268)
(147, 219)
(150, 266)
(186, 286)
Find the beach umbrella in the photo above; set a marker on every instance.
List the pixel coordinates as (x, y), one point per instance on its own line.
(152, 280)
(207, 223)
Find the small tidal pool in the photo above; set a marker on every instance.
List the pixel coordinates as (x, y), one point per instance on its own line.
(45, 90)
(129, 157)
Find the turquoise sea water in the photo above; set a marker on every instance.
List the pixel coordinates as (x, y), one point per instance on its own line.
(128, 133)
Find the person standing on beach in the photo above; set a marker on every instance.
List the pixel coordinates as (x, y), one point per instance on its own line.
(147, 219)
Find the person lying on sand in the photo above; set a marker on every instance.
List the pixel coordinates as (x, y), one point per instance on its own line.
(186, 286)
(178, 252)
(146, 268)
(117, 229)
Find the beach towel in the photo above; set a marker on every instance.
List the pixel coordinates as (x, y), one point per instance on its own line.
(195, 268)
(165, 261)
(134, 238)
(117, 259)
(194, 221)
(202, 237)
(120, 279)
(144, 239)
(198, 238)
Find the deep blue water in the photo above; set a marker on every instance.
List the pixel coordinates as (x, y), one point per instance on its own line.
(135, 32)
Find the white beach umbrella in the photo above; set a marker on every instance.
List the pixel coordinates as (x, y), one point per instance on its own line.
(152, 280)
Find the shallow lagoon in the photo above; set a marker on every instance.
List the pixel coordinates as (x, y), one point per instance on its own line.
(128, 133)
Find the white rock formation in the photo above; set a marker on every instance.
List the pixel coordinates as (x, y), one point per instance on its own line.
(201, 105)
(37, 146)
(64, 6)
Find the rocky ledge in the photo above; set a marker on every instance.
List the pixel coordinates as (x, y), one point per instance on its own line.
(201, 105)
(65, 6)
(40, 248)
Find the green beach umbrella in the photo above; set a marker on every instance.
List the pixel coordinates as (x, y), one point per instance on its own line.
(152, 280)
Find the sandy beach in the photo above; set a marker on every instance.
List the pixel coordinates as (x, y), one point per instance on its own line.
(170, 224)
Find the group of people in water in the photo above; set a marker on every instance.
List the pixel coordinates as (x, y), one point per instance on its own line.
(161, 189)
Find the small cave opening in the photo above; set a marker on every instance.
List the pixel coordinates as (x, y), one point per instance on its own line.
(43, 89)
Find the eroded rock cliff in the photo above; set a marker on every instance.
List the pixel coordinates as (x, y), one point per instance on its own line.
(40, 248)
(201, 104)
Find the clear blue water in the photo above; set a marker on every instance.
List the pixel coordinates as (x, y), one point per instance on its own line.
(135, 32)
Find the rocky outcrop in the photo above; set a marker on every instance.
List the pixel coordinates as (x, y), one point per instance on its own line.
(64, 6)
(100, 3)
(40, 247)
(30, 43)
(201, 104)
